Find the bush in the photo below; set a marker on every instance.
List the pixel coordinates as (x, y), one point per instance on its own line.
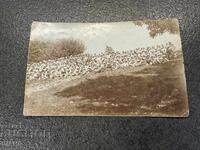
(37, 51)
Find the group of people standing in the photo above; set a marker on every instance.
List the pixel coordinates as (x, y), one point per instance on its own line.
(82, 64)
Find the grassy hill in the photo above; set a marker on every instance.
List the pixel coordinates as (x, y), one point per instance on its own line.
(158, 89)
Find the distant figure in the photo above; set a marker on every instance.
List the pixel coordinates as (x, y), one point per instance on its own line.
(170, 50)
(109, 50)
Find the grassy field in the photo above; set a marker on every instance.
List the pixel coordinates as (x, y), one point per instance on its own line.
(158, 89)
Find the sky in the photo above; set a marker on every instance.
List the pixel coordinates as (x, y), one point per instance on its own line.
(96, 36)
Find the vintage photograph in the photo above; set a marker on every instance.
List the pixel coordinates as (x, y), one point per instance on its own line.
(132, 68)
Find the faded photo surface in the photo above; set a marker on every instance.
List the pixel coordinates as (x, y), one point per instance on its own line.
(132, 68)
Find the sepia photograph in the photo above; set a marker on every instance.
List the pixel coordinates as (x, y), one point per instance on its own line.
(133, 68)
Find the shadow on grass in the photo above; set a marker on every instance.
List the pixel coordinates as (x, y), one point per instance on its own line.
(129, 94)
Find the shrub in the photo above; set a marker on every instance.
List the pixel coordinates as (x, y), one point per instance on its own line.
(36, 51)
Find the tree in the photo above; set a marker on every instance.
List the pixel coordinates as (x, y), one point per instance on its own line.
(158, 27)
(44, 50)
(70, 47)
